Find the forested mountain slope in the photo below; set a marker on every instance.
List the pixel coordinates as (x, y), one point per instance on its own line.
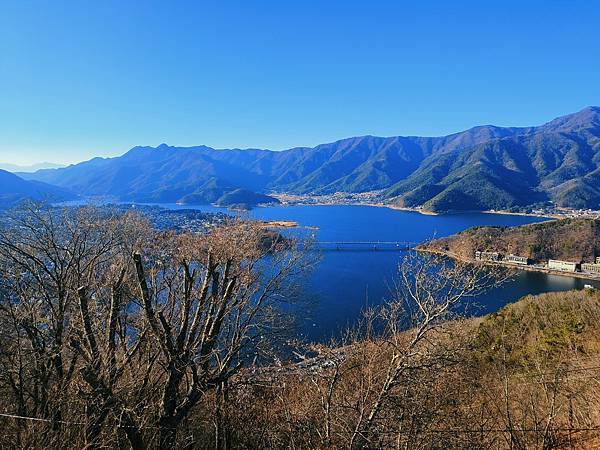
(482, 168)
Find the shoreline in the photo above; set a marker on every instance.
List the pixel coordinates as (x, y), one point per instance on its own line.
(365, 199)
(528, 268)
(424, 212)
(511, 213)
(373, 198)
(298, 201)
(278, 224)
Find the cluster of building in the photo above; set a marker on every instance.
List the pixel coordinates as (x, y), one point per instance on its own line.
(187, 220)
(552, 210)
(592, 267)
(336, 198)
(180, 220)
(553, 264)
(572, 266)
(497, 257)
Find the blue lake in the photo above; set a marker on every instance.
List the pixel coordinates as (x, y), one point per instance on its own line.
(345, 281)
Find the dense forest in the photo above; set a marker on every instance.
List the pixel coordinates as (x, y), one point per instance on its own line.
(116, 335)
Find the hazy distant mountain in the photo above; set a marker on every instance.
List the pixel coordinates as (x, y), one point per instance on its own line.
(481, 168)
(14, 190)
(31, 168)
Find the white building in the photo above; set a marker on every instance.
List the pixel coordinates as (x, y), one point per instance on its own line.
(565, 266)
(591, 268)
(515, 259)
(487, 256)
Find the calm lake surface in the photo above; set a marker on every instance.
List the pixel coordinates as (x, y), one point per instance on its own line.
(345, 281)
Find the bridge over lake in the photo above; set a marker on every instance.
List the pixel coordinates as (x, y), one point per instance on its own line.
(371, 246)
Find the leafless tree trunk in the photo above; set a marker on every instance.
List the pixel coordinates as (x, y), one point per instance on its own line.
(428, 290)
(98, 336)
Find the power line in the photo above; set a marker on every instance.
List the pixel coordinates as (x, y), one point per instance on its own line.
(38, 419)
(435, 430)
(487, 430)
(63, 422)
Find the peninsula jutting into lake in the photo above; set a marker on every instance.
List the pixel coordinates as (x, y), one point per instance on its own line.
(567, 247)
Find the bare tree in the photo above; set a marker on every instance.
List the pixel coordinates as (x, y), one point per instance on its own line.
(107, 320)
(203, 302)
(44, 255)
(114, 334)
(412, 348)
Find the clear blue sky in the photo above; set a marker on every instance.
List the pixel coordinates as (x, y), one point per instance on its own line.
(79, 79)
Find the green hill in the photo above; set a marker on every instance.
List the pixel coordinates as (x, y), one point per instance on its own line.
(244, 199)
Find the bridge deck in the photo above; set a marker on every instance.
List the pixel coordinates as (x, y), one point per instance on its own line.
(365, 245)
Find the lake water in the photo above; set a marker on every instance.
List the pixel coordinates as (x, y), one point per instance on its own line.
(345, 281)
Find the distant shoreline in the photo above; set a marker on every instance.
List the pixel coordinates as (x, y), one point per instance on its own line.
(405, 208)
(370, 199)
(298, 200)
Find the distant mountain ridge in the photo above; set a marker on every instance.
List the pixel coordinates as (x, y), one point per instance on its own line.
(15, 168)
(14, 190)
(485, 167)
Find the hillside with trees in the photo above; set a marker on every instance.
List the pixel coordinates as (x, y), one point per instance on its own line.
(244, 199)
(118, 335)
(565, 239)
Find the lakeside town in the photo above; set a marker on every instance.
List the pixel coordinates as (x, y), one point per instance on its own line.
(377, 198)
(189, 219)
(179, 220)
(583, 269)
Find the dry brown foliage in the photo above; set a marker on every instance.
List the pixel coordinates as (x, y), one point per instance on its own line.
(114, 335)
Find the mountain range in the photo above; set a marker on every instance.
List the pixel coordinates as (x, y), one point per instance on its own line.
(485, 167)
(14, 190)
